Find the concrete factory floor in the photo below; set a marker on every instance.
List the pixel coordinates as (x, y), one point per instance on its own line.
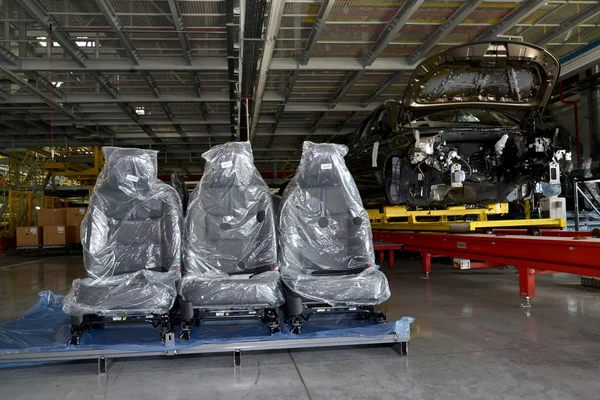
(470, 340)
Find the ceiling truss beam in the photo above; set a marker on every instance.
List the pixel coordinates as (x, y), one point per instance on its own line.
(317, 30)
(46, 22)
(382, 87)
(404, 13)
(514, 17)
(568, 25)
(452, 22)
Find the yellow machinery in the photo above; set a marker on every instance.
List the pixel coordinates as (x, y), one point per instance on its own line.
(75, 172)
(20, 197)
(453, 219)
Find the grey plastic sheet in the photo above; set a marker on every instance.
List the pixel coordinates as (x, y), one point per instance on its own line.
(325, 233)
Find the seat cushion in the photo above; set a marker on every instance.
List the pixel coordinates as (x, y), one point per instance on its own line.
(143, 292)
(261, 290)
(368, 288)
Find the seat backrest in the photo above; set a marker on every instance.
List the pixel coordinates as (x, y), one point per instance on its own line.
(230, 224)
(323, 225)
(134, 221)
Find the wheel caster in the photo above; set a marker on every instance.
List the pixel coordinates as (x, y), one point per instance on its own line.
(185, 335)
(297, 325)
(275, 326)
(74, 341)
(380, 317)
(275, 330)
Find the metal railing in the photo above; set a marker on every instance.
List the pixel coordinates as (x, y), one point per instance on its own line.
(580, 187)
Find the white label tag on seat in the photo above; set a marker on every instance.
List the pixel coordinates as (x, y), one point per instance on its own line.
(60, 229)
(132, 178)
(33, 231)
(326, 166)
(227, 164)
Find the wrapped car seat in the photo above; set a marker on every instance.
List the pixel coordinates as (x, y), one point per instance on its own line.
(229, 243)
(131, 237)
(326, 255)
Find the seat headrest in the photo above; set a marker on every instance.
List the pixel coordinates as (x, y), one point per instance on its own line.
(229, 164)
(321, 164)
(129, 169)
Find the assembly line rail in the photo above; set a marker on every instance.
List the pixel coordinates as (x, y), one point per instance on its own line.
(531, 255)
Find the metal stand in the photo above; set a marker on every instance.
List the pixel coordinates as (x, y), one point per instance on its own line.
(80, 324)
(593, 201)
(192, 317)
(106, 357)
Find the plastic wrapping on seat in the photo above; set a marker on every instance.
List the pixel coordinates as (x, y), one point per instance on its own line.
(131, 238)
(143, 292)
(230, 229)
(180, 186)
(324, 233)
(263, 289)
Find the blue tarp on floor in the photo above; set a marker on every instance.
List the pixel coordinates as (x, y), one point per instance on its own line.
(44, 327)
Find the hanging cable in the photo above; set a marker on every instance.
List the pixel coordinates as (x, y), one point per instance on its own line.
(51, 43)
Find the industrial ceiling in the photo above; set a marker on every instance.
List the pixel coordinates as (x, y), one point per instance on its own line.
(181, 76)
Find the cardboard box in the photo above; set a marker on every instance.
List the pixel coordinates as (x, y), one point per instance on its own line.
(59, 235)
(77, 234)
(29, 236)
(75, 215)
(52, 217)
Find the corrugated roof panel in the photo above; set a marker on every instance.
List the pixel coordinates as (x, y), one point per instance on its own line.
(341, 50)
(490, 13)
(293, 33)
(464, 34)
(567, 12)
(99, 53)
(140, 6)
(191, 22)
(352, 33)
(288, 44)
(202, 7)
(358, 10)
(297, 22)
(210, 53)
(394, 50)
(287, 53)
(415, 33)
(434, 11)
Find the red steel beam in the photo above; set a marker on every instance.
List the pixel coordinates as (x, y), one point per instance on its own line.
(543, 232)
(580, 256)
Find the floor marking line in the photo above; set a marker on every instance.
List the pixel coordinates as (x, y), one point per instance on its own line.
(32, 262)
